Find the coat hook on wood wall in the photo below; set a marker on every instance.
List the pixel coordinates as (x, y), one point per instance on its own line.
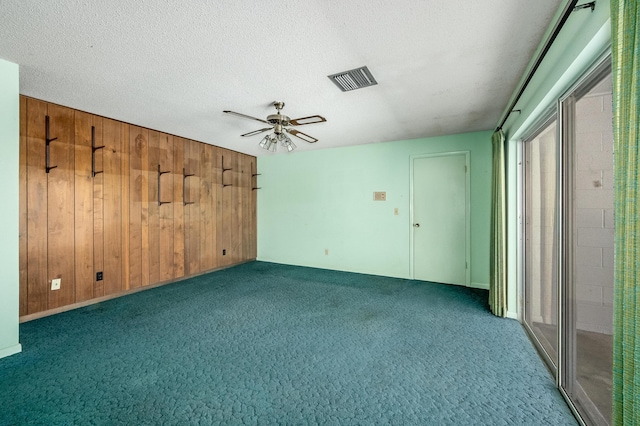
(225, 170)
(160, 173)
(94, 148)
(48, 141)
(254, 175)
(185, 175)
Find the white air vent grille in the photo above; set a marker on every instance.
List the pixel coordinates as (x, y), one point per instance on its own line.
(354, 79)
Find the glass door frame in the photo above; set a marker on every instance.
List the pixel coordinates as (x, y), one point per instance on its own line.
(541, 125)
(567, 310)
(566, 345)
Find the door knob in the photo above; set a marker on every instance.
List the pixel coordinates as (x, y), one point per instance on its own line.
(416, 225)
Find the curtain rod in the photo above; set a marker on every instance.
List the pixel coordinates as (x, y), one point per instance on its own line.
(569, 8)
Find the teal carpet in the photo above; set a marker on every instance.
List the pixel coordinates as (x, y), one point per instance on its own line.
(270, 344)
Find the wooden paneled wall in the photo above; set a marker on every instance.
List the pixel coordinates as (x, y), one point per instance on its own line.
(140, 206)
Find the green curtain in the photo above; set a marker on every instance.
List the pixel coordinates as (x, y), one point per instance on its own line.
(497, 250)
(625, 34)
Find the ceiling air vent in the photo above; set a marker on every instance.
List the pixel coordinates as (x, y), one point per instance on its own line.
(354, 79)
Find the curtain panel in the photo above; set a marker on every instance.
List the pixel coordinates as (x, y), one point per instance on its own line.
(497, 249)
(625, 34)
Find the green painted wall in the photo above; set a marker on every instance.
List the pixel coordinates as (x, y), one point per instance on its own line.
(585, 37)
(9, 163)
(317, 200)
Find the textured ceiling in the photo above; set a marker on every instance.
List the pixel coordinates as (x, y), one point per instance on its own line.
(443, 67)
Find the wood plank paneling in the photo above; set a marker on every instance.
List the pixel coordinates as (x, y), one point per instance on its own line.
(60, 206)
(73, 224)
(216, 193)
(192, 211)
(253, 219)
(98, 211)
(83, 213)
(126, 189)
(245, 204)
(224, 222)
(22, 222)
(144, 208)
(178, 207)
(137, 144)
(235, 238)
(37, 275)
(166, 210)
(153, 212)
(207, 213)
(113, 207)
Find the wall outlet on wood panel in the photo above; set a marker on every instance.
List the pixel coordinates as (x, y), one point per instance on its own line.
(99, 276)
(224, 252)
(55, 283)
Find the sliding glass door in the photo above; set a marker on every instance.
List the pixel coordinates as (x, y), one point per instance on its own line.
(541, 242)
(587, 308)
(568, 244)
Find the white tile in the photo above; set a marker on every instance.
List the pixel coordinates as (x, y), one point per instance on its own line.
(588, 179)
(607, 104)
(607, 296)
(607, 141)
(589, 141)
(594, 123)
(588, 256)
(609, 220)
(608, 260)
(592, 276)
(595, 237)
(607, 179)
(589, 106)
(596, 315)
(594, 199)
(593, 161)
(589, 218)
(589, 293)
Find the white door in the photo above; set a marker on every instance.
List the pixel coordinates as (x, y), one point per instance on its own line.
(441, 218)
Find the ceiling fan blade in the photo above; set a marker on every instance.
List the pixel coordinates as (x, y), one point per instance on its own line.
(255, 132)
(307, 120)
(302, 136)
(246, 116)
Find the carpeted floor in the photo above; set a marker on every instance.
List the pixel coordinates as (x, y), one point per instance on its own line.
(270, 344)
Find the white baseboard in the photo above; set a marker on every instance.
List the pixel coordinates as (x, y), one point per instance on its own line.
(512, 315)
(11, 350)
(479, 285)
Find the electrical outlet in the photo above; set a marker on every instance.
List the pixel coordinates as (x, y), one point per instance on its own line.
(379, 196)
(55, 283)
(326, 252)
(99, 276)
(224, 252)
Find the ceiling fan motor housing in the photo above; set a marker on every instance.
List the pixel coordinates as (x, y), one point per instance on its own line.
(278, 119)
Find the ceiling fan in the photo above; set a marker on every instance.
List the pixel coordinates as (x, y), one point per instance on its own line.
(280, 125)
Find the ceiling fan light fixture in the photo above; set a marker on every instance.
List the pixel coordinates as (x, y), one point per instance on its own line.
(286, 142)
(280, 123)
(269, 143)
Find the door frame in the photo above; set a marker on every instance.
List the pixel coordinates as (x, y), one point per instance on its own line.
(412, 159)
